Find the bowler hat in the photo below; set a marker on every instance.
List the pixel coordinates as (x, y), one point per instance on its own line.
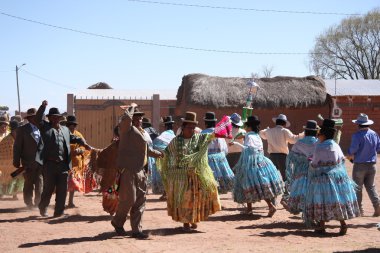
(253, 120)
(136, 112)
(30, 112)
(71, 120)
(209, 116)
(146, 122)
(190, 117)
(311, 125)
(54, 112)
(328, 124)
(363, 119)
(168, 120)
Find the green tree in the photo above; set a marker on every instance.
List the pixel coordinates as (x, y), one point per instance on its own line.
(350, 50)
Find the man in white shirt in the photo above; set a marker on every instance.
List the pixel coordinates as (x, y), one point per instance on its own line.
(278, 139)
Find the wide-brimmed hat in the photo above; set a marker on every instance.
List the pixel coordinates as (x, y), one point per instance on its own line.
(71, 120)
(311, 125)
(190, 117)
(146, 122)
(137, 112)
(13, 125)
(4, 120)
(283, 118)
(236, 119)
(253, 120)
(168, 120)
(30, 112)
(363, 120)
(54, 112)
(209, 116)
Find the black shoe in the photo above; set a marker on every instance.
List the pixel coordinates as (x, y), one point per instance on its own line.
(43, 213)
(119, 230)
(140, 235)
(56, 215)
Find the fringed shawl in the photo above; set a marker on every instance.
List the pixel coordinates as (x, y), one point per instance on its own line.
(181, 157)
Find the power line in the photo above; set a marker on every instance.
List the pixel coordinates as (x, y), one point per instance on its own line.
(244, 9)
(47, 80)
(152, 43)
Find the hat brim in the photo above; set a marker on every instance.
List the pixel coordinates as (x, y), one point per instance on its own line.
(71, 123)
(138, 114)
(4, 122)
(59, 115)
(287, 122)
(168, 122)
(30, 115)
(367, 123)
(189, 121)
(209, 119)
(240, 123)
(312, 129)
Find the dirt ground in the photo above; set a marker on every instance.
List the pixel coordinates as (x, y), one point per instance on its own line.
(87, 228)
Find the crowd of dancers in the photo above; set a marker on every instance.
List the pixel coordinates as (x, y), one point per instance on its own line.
(189, 167)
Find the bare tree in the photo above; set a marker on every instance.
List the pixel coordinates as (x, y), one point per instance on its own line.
(267, 71)
(350, 50)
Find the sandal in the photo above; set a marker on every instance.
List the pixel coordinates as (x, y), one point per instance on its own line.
(343, 230)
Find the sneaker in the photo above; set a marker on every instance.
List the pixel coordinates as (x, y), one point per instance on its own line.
(140, 235)
(119, 230)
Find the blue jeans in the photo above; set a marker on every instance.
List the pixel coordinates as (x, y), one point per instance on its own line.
(364, 173)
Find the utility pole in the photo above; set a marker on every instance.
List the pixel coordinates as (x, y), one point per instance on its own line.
(18, 90)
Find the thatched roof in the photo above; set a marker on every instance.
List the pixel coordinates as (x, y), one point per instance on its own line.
(100, 85)
(274, 92)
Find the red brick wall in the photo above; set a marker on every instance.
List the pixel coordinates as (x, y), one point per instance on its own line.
(351, 107)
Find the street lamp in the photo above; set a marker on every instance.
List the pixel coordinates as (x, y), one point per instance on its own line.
(18, 91)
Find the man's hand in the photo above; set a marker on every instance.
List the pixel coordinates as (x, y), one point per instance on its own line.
(125, 107)
(44, 103)
(88, 147)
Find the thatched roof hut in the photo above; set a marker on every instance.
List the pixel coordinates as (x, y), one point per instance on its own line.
(231, 92)
(100, 85)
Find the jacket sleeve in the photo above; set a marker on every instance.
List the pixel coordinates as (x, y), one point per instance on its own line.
(126, 120)
(17, 148)
(39, 116)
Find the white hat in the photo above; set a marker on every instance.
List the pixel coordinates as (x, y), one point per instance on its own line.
(363, 120)
(236, 119)
(283, 118)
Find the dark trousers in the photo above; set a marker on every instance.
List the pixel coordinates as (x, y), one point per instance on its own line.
(55, 177)
(33, 183)
(279, 160)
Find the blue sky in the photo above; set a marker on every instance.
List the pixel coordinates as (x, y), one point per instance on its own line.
(61, 61)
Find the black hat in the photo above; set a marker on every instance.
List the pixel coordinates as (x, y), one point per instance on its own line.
(209, 116)
(71, 120)
(146, 122)
(13, 125)
(252, 120)
(54, 112)
(311, 125)
(168, 120)
(328, 124)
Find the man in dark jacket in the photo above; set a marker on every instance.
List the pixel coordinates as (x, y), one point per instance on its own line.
(56, 158)
(27, 149)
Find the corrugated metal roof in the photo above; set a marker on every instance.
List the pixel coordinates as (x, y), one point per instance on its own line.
(124, 94)
(353, 87)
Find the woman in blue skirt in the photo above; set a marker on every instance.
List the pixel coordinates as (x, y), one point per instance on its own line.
(160, 143)
(297, 166)
(256, 177)
(217, 150)
(331, 193)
